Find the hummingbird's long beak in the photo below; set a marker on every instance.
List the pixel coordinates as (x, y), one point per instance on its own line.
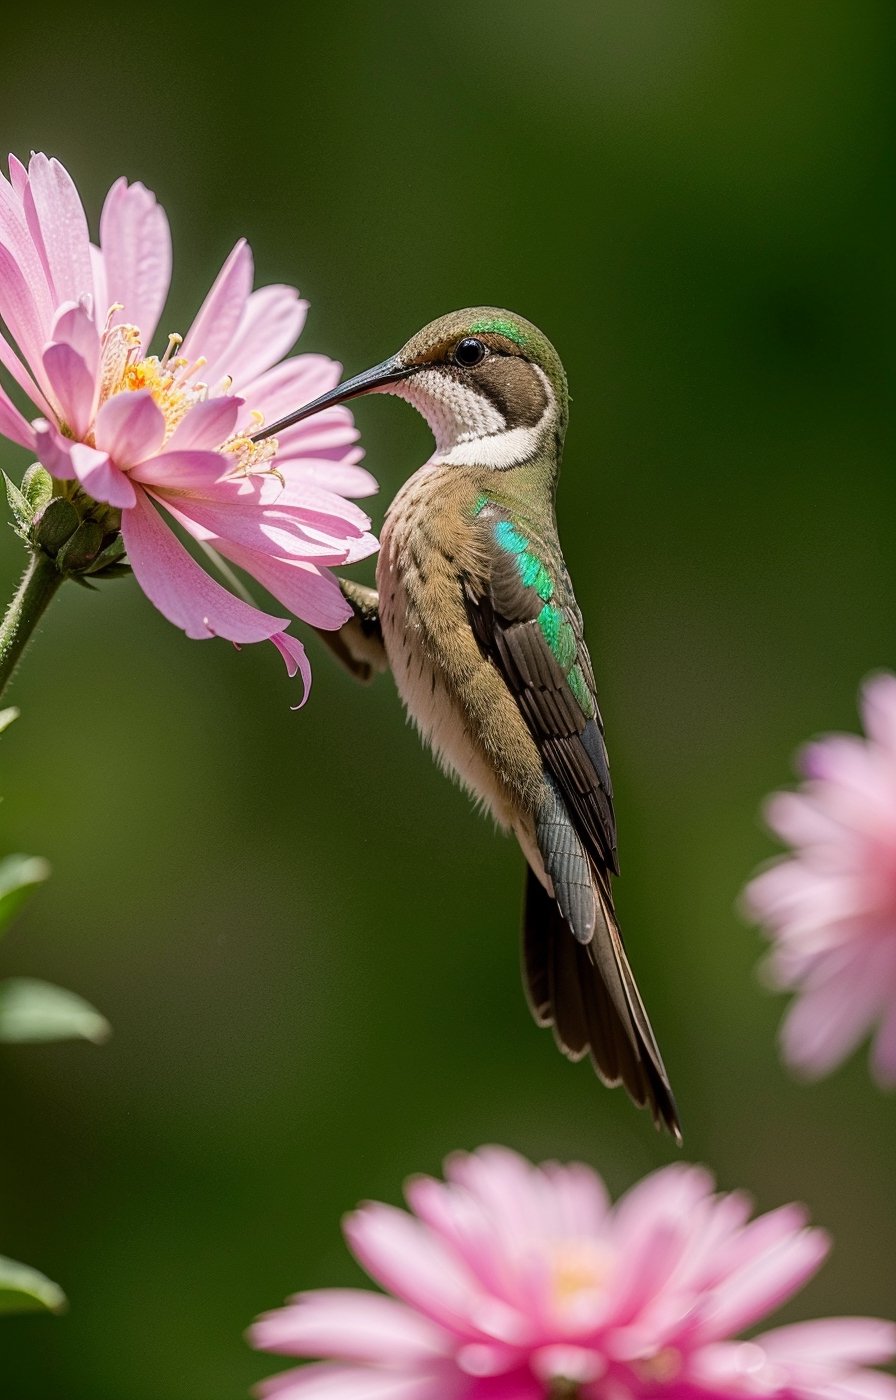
(389, 372)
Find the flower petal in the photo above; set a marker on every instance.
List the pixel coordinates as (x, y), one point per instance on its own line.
(350, 1324)
(136, 247)
(130, 427)
(180, 589)
(220, 313)
(72, 386)
(413, 1263)
(332, 1382)
(13, 425)
(270, 325)
(832, 1341)
(100, 477)
(293, 653)
(74, 325)
(61, 227)
(299, 585)
(19, 310)
(206, 426)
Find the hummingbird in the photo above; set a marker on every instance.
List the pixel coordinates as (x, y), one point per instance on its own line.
(475, 615)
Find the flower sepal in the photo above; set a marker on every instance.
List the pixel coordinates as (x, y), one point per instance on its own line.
(80, 535)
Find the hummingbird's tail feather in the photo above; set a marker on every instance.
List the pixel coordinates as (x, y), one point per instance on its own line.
(587, 993)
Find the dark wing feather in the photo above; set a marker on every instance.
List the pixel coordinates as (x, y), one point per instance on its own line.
(578, 976)
(504, 613)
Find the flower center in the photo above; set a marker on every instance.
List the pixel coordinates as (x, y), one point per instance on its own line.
(175, 385)
(579, 1269)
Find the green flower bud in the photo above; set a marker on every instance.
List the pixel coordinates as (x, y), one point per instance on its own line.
(53, 525)
(81, 548)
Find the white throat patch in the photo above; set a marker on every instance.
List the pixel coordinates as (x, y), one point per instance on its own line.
(469, 430)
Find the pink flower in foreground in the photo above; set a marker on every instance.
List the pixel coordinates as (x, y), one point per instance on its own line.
(516, 1282)
(831, 906)
(141, 431)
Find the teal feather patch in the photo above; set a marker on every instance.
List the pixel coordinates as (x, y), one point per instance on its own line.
(481, 503)
(509, 538)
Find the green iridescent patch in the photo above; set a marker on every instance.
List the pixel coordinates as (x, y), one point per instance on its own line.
(481, 503)
(565, 649)
(499, 326)
(549, 620)
(579, 688)
(509, 538)
(535, 575)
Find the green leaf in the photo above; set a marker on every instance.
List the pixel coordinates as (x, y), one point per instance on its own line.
(25, 1290)
(7, 716)
(18, 877)
(32, 1012)
(37, 486)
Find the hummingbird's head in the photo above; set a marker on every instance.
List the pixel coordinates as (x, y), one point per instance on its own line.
(489, 384)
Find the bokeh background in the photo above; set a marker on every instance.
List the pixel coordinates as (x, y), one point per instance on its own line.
(305, 940)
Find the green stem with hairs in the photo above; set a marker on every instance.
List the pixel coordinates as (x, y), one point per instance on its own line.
(39, 583)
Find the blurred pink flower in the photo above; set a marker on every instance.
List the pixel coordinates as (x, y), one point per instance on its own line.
(831, 906)
(139, 430)
(516, 1282)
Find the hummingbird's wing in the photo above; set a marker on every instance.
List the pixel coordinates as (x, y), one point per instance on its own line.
(526, 620)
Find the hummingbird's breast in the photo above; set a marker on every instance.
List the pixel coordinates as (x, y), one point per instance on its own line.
(430, 545)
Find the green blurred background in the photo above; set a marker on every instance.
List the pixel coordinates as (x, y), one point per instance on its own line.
(305, 940)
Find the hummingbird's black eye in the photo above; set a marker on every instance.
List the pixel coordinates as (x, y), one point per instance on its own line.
(469, 353)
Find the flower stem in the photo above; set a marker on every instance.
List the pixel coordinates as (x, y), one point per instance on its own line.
(39, 583)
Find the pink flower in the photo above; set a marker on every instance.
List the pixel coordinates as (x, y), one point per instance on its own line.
(141, 431)
(516, 1282)
(831, 906)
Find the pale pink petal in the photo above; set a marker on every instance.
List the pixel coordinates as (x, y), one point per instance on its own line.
(53, 450)
(101, 299)
(180, 589)
(293, 653)
(75, 326)
(220, 313)
(10, 360)
(319, 507)
(405, 1258)
(270, 325)
(206, 426)
(190, 470)
(13, 425)
(19, 311)
(300, 586)
(61, 225)
(824, 1024)
(136, 247)
(333, 1382)
(18, 175)
(16, 239)
(350, 1325)
(100, 477)
(72, 387)
(767, 1281)
(342, 477)
(130, 427)
(328, 434)
(832, 1341)
(287, 386)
